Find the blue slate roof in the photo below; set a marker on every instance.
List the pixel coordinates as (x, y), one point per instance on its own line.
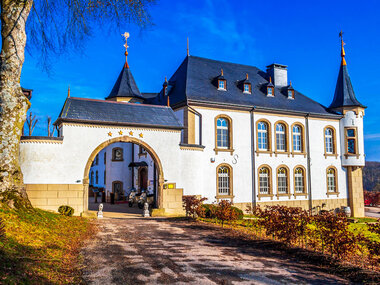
(117, 113)
(344, 93)
(125, 85)
(193, 82)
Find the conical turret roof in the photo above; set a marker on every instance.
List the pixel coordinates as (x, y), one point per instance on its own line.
(125, 85)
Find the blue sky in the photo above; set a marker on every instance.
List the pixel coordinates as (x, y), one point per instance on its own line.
(300, 34)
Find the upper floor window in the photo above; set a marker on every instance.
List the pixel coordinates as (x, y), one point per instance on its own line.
(351, 141)
(224, 180)
(262, 136)
(291, 94)
(222, 84)
(247, 88)
(297, 138)
(264, 181)
(329, 140)
(299, 181)
(117, 154)
(142, 151)
(222, 129)
(270, 91)
(331, 180)
(282, 180)
(280, 137)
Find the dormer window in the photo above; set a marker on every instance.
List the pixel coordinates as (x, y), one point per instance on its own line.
(221, 84)
(290, 91)
(270, 88)
(247, 88)
(270, 91)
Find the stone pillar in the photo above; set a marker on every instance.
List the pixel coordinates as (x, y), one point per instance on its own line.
(355, 191)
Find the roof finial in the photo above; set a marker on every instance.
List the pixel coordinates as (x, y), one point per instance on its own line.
(246, 76)
(221, 71)
(342, 53)
(270, 79)
(126, 36)
(168, 101)
(188, 52)
(290, 83)
(68, 92)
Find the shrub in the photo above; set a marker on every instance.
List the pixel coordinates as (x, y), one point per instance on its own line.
(209, 210)
(238, 212)
(66, 210)
(194, 206)
(225, 212)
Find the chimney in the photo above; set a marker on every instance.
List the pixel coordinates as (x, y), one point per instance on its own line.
(279, 74)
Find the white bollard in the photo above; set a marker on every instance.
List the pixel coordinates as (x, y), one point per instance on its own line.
(100, 212)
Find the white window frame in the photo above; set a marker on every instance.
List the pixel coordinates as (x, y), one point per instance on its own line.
(262, 138)
(329, 141)
(264, 183)
(297, 138)
(282, 181)
(331, 180)
(281, 138)
(299, 187)
(224, 181)
(222, 134)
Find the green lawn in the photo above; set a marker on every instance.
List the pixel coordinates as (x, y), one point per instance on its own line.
(41, 247)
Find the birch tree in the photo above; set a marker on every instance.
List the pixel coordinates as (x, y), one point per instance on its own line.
(52, 27)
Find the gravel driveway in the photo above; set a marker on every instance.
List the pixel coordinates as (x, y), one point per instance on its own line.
(164, 251)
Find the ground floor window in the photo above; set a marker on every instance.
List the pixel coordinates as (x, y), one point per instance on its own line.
(264, 180)
(224, 180)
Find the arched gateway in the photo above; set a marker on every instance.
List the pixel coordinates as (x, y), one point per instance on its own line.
(126, 139)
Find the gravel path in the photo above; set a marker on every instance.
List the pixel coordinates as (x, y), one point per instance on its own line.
(161, 251)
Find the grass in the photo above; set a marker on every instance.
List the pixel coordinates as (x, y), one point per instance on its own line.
(41, 247)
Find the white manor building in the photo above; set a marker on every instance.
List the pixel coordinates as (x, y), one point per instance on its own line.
(216, 129)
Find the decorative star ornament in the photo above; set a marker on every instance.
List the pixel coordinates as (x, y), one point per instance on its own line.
(110, 134)
(141, 135)
(131, 133)
(120, 132)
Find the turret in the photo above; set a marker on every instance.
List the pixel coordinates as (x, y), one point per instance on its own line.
(351, 135)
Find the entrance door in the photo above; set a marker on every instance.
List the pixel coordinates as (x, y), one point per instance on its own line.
(117, 189)
(143, 179)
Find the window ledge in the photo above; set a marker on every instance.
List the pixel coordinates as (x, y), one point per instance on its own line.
(281, 152)
(300, 194)
(230, 150)
(117, 160)
(331, 154)
(298, 153)
(222, 89)
(224, 197)
(283, 195)
(265, 195)
(332, 193)
(185, 146)
(346, 155)
(264, 151)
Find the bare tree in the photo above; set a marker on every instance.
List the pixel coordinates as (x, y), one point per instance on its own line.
(53, 27)
(50, 128)
(31, 123)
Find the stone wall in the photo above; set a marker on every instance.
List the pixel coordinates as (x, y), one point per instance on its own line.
(51, 196)
(355, 190)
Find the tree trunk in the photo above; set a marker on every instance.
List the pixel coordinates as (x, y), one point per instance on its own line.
(13, 103)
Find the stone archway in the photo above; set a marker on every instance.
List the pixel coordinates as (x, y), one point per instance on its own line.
(126, 139)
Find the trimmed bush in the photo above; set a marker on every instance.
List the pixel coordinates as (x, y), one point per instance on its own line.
(66, 210)
(193, 206)
(239, 213)
(210, 211)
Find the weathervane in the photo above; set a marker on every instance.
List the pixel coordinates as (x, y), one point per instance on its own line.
(343, 53)
(126, 36)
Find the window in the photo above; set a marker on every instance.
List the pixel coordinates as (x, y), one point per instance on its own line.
(282, 181)
(291, 94)
(105, 178)
(331, 180)
(351, 141)
(97, 177)
(117, 154)
(262, 136)
(97, 159)
(105, 158)
(222, 130)
(222, 84)
(270, 91)
(280, 137)
(92, 178)
(224, 180)
(264, 181)
(142, 151)
(247, 88)
(297, 138)
(330, 143)
(299, 181)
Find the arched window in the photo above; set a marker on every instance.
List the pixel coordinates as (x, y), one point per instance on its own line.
(299, 180)
(297, 138)
(331, 180)
(262, 136)
(96, 177)
(281, 137)
(224, 182)
(282, 181)
(264, 181)
(92, 178)
(329, 140)
(223, 134)
(117, 154)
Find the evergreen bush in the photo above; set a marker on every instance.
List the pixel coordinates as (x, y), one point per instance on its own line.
(66, 210)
